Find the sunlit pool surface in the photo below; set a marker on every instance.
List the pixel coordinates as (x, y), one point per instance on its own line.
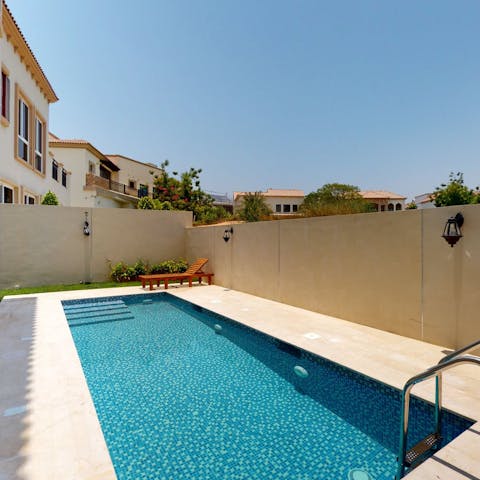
(183, 393)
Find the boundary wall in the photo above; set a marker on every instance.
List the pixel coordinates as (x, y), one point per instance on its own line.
(45, 245)
(391, 271)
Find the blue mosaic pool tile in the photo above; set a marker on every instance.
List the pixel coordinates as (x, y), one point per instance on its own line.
(178, 401)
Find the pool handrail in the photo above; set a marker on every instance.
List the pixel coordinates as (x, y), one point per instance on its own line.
(454, 359)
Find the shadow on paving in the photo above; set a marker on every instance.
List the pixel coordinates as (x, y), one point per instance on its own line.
(17, 342)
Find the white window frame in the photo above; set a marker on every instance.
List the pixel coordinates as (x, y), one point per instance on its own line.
(55, 164)
(26, 197)
(22, 105)
(5, 106)
(2, 194)
(39, 147)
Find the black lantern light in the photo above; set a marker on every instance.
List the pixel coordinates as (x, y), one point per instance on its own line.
(86, 226)
(227, 234)
(452, 233)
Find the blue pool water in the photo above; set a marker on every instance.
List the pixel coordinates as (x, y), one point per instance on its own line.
(177, 401)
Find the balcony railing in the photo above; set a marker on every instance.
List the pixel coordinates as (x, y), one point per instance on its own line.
(109, 184)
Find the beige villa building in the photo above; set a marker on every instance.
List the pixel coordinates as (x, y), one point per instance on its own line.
(281, 201)
(384, 201)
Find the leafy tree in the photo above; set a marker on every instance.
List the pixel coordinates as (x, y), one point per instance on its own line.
(50, 199)
(254, 208)
(411, 206)
(334, 199)
(146, 203)
(183, 192)
(455, 192)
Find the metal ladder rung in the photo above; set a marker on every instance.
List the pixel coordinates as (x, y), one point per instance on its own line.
(421, 448)
(418, 452)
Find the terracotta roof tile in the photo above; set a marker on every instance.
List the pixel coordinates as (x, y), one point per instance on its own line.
(381, 194)
(18, 38)
(115, 156)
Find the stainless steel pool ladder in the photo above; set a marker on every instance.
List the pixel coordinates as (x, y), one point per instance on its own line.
(418, 452)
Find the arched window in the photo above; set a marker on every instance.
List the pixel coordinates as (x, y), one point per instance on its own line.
(398, 206)
(390, 207)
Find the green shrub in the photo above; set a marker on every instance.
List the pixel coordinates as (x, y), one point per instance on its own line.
(254, 208)
(50, 199)
(141, 268)
(169, 266)
(211, 214)
(121, 272)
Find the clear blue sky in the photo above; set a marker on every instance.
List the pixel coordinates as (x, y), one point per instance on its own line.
(269, 93)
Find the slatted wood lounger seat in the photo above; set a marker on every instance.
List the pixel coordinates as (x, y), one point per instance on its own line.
(193, 272)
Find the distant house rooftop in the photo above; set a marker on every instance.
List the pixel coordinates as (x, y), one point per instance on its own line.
(115, 156)
(222, 200)
(384, 201)
(54, 141)
(274, 192)
(381, 195)
(283, 201)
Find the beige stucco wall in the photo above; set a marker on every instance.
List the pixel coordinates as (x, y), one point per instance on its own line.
(42, 245)
(391, 271)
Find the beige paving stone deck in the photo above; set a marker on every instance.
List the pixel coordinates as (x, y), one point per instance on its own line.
(48, 426)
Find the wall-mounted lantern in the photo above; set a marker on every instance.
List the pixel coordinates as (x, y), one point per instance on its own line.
(452, 233)
(86, 225)
(227, 234)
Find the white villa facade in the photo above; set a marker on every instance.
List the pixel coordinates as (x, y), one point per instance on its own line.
(280, 201)
(26, 94)
(99, 180)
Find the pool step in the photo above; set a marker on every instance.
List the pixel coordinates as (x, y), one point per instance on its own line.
(101, 312)
(96, 312)
(83, 306)
(418, 452)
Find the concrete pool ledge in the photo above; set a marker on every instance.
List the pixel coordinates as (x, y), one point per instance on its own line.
(48, 425)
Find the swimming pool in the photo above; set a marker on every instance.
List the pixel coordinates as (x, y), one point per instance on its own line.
(177, 401)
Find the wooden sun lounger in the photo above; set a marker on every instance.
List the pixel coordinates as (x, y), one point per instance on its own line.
(194, 271)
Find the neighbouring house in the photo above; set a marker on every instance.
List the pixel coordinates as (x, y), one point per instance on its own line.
(384, 201)
(26, 95)
(99, 180)
(138, 177)
(424, 201)
(281, 201)
(222, 200)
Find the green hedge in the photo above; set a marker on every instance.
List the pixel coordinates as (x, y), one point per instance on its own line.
(121, 272)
